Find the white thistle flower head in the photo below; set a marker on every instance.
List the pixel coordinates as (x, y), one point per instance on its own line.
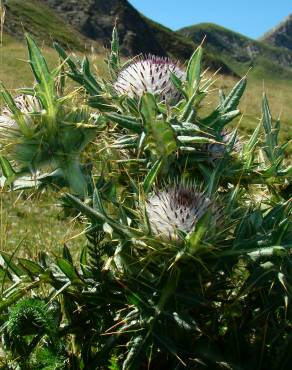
(25, 103)
(178, 208)
(150, 74)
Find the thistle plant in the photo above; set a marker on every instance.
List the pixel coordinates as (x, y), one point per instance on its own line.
(173, 275)
(40, 130)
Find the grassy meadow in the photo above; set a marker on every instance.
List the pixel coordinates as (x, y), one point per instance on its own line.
(31, 228)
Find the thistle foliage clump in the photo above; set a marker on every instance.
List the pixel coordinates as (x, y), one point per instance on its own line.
(188, 258)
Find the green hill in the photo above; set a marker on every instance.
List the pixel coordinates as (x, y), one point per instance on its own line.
(85, 23)
(240, 53)
(35, 17)
(281, 35)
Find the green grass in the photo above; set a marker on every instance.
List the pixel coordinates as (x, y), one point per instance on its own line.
(15, 71)
(35, 223)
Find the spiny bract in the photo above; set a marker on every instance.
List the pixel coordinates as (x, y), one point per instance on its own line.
(177, 208)
(150, 74)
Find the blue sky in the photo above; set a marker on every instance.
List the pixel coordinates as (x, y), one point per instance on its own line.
(249, 17)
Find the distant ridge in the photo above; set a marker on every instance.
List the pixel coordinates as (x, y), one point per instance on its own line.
(240, 52)
(281, 35)
(80, 24)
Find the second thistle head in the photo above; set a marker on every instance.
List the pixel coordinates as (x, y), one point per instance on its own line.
(178, 208)
(150, 74)
(26, 104)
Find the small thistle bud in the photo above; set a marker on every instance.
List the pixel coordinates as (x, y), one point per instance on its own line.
(25, 103)
(150, 74)
(216, 151)
(177, 208)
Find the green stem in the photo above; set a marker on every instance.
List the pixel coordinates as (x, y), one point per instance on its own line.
(74, 176)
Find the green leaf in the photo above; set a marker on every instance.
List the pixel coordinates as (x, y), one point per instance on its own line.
(227, 117)
(222, 97)
(136, 352)
(90, 83)
(68, 59)
(45, 88)
(151, 176)
(114, 58)
(274, 152)
(189, 110)
(148, 108)
(129, 123)
(97, 202)
(249, 148)
(38, 63)
(66, 254)
(195, 140)
(160, 136)
(267, 123)
(195, 237)
(232, 100)
(11, 265)
(178, 84)
(194, 71)
(31, 267)
(6, 167)
(68, 269)
(96, 216)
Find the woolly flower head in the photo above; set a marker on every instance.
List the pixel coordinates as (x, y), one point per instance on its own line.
(150, 74)
(25, 103)
(177, 208)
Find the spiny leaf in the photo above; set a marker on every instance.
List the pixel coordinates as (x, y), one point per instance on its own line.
(129, 123)
(7, 168)
(96, 216)
(114, 58)
(194, 71)
(69, 270)
(151, 176)
(31, 267)
(91, 84)
(38, 63)
(148, 108)
(232, 100)
(160, 136)
(136, 352)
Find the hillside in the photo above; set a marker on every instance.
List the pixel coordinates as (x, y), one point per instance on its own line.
(35, 17)
(79, 23)
(240, 52)
(281, 35)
